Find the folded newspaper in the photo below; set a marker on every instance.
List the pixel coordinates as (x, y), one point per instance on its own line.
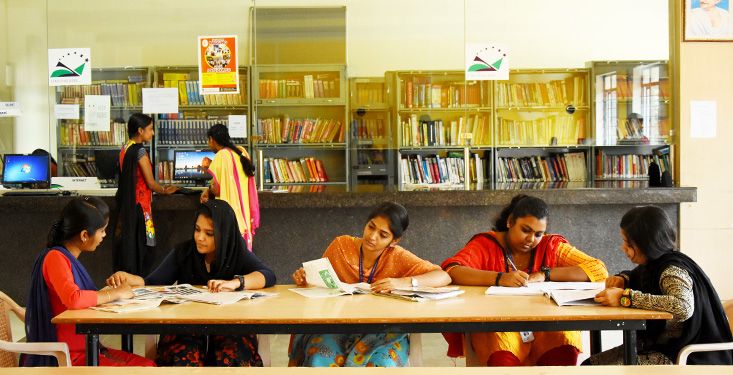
(324, 282)
(151, 297)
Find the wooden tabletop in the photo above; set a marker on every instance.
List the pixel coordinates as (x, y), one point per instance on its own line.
(290, 308)
(596, 370)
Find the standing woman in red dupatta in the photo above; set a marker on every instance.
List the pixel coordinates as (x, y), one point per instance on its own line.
(135, 231)
(517, 252)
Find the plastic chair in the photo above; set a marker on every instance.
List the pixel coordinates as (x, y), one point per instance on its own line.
(694, 348)
(414, 358)
(8, 348)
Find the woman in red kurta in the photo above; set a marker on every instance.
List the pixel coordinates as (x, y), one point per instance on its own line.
(516, 253)
(59, 283)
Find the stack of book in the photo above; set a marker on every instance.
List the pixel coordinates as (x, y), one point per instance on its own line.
(434, 169)
(563, 129)
(189, 93)
(422, 92)
(322, 86)
(72, 133)
(439, 133)
(280, 130)
(303, 170)
(559, 167)
(553, 93)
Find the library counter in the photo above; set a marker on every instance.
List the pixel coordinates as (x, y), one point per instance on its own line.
(296, 227)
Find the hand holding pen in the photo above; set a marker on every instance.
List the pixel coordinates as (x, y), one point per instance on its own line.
(515, 278)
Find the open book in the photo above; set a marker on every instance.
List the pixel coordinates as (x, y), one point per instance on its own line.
(324, 282)
(151, 297)
(563, 293)
(424, 293)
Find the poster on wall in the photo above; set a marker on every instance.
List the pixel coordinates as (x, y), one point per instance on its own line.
(69, 66)
(96, 113)
(487, 61)
(217, 56)
(708, 21)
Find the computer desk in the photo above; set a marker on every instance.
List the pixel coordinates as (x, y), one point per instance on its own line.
(289, 313)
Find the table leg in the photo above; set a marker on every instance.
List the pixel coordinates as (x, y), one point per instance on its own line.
(126, 342)
(92, 350)
(630, 357)
(595, 342)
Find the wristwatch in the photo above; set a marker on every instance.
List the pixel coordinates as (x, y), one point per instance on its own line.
(413, 281)
(625, 299)
(546, 271)
(241, 282)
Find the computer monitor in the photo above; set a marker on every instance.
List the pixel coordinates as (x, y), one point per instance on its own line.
(29, 171)
(187, 165)
(108, 164)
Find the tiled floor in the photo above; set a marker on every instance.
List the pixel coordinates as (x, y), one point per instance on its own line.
(434, 346)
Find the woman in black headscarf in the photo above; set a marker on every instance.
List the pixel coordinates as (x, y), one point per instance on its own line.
(665, 280)
(215, 256)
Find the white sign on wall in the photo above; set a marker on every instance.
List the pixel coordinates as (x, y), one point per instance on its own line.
(487, 61)
(96, 113)
(69, 66)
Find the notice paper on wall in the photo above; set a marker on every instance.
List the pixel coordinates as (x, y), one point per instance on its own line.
(238, 126)
(66, 111)
(96, 113)
(10, 109)
(703, 118)
(160, 100)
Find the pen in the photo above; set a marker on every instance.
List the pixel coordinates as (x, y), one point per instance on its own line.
(513, 265)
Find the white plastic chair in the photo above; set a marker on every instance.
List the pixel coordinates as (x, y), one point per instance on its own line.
(414, 358)
(695, 348)
(8, 348)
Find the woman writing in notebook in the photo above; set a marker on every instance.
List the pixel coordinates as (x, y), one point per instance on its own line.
(664, 280)
(135, 231)
(233, 180)
(378, 260)
(517, 252)
(59, 282)
(215, 256)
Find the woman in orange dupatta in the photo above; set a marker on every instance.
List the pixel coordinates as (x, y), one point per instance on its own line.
(375, 259)
(518, 252)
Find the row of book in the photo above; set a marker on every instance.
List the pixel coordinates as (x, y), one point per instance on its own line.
(189, 93)
(280, 130)
(623, 85)
(551, 130)
(634, 166)
(322, 86)
(79, 166)
(420, 92)
(303, 170)
(553, 93)
(437, 133)
(559, 167)
(72, 133)
(369, 129)
(188, 131)
(300, 188)
(369, 93)
(165, 171)
(434, 169)
(122, 93)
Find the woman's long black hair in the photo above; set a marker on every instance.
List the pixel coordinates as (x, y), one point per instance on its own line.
(220, 134)
(521, 205)
(84, 213)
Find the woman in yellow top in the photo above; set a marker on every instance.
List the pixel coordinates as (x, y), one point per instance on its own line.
(517, 252)
(233, 180)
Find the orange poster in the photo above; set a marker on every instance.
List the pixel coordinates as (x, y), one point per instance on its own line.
(218, 73)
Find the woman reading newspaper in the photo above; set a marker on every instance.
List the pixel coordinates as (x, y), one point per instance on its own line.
(377, 260)
(215, 256)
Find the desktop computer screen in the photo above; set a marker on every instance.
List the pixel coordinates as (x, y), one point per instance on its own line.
(26, 170)
(108, 164)
(187, 165)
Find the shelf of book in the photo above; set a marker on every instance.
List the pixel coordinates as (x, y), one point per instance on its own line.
(372, 151)
(444, 169)
(299, 115)
(186, 130)
(91, 153)
(629, 163)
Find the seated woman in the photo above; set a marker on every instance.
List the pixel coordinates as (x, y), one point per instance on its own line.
(517, 252)
(377, 260)
(215, 256)
(664, 280)
(60, 282)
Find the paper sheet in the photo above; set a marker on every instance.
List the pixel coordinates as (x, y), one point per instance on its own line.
(160, 100)
(66, 111)
(96, 113)
(703, 118)
(238, 126)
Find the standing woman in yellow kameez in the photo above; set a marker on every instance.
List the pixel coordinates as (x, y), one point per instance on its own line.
(233, 180)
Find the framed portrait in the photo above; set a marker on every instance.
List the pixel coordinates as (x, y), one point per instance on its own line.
(708, 21)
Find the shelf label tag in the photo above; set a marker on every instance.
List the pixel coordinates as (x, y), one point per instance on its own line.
(10, 109)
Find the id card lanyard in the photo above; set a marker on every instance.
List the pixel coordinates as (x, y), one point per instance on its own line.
(361, 267)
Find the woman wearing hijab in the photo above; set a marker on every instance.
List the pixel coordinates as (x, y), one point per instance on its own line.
(59, 282)
(215, 256)
(664, 280)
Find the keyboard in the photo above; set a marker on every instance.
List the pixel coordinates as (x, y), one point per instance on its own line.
(188, 191)
(34, 193)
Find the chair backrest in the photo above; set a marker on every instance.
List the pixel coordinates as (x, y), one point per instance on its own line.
(7, 359)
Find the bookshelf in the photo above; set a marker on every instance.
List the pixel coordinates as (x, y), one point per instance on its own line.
(186, 130)
(632, 109)
(84, 153)
(300, 132)
(543, 127)
(372, 151)
(439, 115)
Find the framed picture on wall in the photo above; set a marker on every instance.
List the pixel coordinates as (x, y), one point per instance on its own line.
(708, 21)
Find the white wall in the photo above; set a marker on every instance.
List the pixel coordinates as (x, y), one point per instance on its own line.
(381, 35)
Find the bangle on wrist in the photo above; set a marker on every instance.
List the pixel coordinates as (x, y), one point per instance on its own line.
(626, 299)
(498, 277)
